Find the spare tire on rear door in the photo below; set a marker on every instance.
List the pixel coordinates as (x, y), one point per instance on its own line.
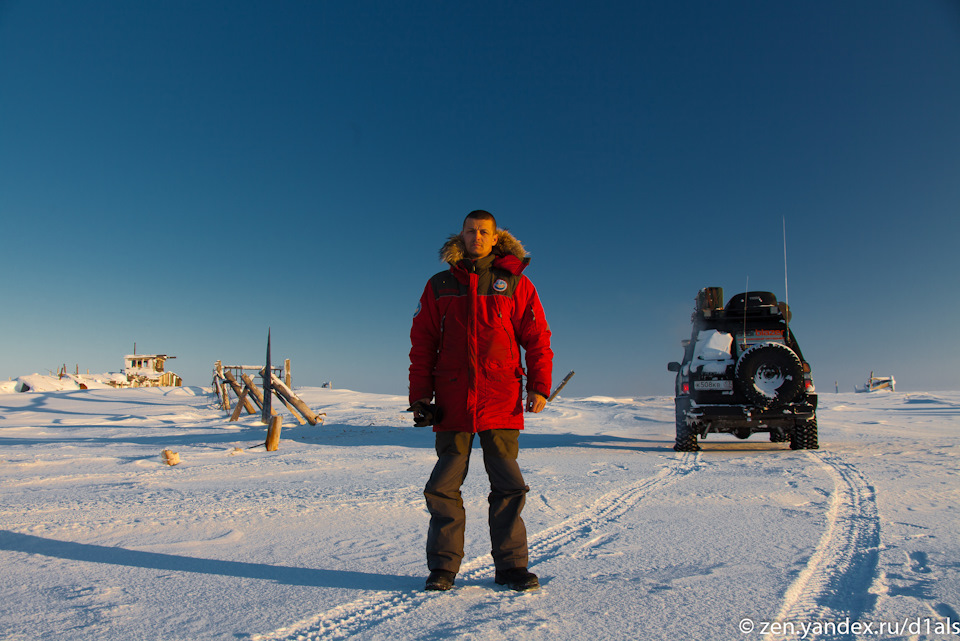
(769, 374)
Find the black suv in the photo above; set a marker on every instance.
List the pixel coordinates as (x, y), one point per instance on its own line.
(743, 373)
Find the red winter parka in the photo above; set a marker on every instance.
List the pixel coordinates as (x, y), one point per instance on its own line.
(467, 333)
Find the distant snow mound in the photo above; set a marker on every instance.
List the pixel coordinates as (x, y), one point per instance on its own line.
(51, 383)
(926, 399)
(42, 383)
(605, 399)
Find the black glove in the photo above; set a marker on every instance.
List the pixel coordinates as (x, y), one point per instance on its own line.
(425, 414)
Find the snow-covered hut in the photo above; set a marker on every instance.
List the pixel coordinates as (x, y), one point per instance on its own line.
(147, 370)
(878, 383)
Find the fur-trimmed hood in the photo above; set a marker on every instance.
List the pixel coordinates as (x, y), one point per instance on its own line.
(453, 251)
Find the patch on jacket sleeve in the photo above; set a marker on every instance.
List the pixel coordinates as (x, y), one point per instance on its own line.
(419, 309)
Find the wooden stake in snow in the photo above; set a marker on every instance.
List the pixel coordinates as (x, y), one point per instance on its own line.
(273, 434)
(171, 458)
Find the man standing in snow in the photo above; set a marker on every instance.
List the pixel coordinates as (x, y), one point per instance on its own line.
(467, 333)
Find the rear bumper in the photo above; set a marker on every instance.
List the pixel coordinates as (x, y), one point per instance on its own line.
(738, 417)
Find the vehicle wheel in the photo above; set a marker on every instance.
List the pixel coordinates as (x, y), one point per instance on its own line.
(686, 435)
(779, 436)
(769, 375)
(804, 436)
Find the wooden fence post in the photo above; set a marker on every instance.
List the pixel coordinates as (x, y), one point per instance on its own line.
(225, 396)
(289, 407)
(236, 412)
(256, 394)
(266, 409)
(294, 400)
(237, 390)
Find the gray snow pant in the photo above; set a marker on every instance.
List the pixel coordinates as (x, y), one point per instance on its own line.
(508, 535)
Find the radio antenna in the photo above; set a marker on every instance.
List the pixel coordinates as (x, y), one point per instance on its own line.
(746, 297)
(786, 291)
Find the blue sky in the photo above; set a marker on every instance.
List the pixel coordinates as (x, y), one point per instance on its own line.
(184, 175)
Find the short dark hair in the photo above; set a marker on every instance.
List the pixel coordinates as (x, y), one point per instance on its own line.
(481, 214)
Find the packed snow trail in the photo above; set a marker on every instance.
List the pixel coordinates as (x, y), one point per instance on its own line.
(835, 582)
(363, 614)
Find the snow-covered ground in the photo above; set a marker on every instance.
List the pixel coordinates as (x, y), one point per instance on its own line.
(324, 539)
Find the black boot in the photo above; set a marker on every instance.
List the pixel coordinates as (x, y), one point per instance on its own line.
(440, 580)
(518, 579)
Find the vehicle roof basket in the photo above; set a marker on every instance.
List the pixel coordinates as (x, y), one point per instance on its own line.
(753, 303)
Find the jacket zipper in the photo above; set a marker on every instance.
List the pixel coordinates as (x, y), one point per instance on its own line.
(505, 331)
(472, 351)
(443, 321)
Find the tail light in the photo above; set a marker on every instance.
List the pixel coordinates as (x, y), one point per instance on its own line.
(808, 379)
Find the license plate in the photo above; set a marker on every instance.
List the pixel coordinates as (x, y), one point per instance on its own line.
(724, 386)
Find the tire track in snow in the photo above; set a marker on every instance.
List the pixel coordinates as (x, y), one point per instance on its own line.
(364, 613)
(835, 582)
(549, 543)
